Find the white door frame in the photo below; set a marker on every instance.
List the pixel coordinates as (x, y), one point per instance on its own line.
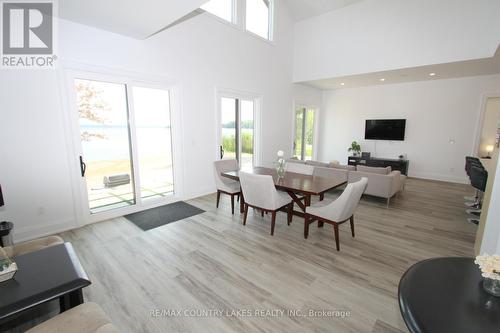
(257, 116)
(480, 120)
(297, 105)
(82, 210)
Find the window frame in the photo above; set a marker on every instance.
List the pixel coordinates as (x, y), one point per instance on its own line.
(234, 14)
(239, 19)
(270, 22)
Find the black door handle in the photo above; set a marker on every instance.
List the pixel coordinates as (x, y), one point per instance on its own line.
(83, 166)
(221, 152)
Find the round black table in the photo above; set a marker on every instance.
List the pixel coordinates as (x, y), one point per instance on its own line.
(446, 295)
(5, 229)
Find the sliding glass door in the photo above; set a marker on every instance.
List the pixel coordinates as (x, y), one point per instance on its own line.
(106, 162)
(154, 141)
(303, 140)
(237, 130)
(126, 143)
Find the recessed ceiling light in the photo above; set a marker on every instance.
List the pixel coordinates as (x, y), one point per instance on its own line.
(432, 74)
(382, 79)
(342, 83)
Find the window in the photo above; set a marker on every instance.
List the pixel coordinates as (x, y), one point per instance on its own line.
(237, 130)
(220, 8)
(259, 17)
(303, 133)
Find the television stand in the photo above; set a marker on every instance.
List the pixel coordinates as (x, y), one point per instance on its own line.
(395, 164)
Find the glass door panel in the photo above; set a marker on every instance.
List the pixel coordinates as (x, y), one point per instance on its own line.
(297, 142)
(154, 141)
(229, 134)
(308, 134)
(247, 133)
(106, 163)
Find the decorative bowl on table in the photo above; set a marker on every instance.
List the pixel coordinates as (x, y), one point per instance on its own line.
(8, 267)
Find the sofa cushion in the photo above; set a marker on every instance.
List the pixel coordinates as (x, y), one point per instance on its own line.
(340, 166)
(317, 163)
(34, 245)
(380, 171)
(85, 318)
(295, 160)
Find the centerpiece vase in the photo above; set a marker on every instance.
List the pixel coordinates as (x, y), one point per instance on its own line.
(492, 286)
(280, 170)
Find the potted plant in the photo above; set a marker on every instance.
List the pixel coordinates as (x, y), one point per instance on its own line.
(355, 148)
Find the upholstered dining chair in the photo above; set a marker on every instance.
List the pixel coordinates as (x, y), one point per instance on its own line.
(338, 211)
(226, 185)
(304, 169)
(260, 193)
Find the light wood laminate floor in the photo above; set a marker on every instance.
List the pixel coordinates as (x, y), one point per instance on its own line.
(212, 261)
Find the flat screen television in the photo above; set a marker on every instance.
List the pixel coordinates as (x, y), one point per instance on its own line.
(385, 129)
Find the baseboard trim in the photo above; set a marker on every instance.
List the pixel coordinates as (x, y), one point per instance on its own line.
(443, 178)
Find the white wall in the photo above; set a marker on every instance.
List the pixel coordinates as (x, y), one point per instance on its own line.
(199, 55)
(379, 35)
(436, 112)
(491, 236)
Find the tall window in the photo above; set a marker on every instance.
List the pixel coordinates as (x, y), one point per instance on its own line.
(259, 17)
(237, 130)
(221, 8)
(303, 140)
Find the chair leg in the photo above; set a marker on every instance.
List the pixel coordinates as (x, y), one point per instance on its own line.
(352, 225)
(290, 214)
(273, 222)
(388, 202)
(262, 213)
(336, 232)
(238, 198)
(306, 226)
(321, 196)
(232, 204)
(218, 198)
(245, 215)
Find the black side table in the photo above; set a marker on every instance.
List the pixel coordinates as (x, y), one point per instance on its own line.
(5, 229)
(445, 295)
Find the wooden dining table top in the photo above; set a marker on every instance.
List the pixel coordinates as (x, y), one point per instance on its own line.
(296, 182)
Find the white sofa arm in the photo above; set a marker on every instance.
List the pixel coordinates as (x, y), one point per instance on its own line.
(396, 182)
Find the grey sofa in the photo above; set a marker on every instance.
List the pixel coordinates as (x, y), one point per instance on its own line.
(382, 182)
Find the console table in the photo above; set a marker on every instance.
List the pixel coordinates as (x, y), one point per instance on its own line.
(395, 164)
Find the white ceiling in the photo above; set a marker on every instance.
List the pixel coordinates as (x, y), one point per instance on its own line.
(302, 9)
(477, 67)
(137, 19)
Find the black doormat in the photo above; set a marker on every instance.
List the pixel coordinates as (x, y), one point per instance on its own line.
(156, 217)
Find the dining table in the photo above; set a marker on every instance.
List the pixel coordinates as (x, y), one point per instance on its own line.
(295, 184)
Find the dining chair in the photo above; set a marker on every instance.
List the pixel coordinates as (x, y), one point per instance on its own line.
(337, 212)
(260, 193)
(302, 169)
(226, 185)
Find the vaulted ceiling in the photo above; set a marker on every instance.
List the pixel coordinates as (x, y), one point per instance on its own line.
(303, 9)
(138, 19)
